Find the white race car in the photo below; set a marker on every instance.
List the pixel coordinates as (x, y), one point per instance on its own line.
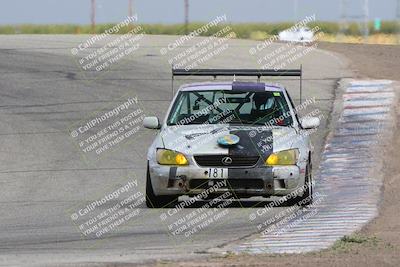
(301, 35)
(241, 137)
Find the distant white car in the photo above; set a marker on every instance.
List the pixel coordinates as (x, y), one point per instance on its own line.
(301, 35)
(215, 133)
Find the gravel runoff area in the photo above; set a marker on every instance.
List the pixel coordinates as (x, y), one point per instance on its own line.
(378, 243)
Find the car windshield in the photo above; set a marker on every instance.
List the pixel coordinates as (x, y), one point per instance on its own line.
(230, 107)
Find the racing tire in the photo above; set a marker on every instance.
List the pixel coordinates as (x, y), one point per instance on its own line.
(307, 198)
(153, 201)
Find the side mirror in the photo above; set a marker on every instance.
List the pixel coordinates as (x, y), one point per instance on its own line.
(151, 123)
(310, 122)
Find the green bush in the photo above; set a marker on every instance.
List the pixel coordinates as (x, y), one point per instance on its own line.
(243, 30)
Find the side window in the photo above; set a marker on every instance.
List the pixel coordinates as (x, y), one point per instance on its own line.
(181, 108)
(183, 105)
(294, 110)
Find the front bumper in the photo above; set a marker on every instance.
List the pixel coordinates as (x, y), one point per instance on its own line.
(244, 182)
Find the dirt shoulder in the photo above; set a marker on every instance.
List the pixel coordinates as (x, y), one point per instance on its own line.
(373, 61)
(378, 243)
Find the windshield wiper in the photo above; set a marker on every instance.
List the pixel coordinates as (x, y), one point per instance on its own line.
(243, 122)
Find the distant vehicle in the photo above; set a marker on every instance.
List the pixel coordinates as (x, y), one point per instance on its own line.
(215, 133)
(301, 35)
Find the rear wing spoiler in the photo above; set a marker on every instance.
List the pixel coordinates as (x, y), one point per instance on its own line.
(240, 72)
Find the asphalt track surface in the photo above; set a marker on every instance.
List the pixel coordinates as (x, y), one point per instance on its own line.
(43, 91)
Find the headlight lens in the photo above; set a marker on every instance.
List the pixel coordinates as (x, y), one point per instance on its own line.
(286, 157)
(170, 157)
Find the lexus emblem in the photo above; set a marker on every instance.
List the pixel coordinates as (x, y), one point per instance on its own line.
(227, 160)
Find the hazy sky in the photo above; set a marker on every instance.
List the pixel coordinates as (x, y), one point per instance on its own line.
(171, 11)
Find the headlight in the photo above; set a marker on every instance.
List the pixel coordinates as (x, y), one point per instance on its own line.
(170, 157)
(286, 157)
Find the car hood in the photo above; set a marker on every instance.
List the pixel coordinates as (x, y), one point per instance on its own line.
(203, 139)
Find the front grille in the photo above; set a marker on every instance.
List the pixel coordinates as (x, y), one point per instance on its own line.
(216, 161)
(230, 183)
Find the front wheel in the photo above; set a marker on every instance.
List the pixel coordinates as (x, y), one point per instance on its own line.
(153, 201)
(307, 197)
